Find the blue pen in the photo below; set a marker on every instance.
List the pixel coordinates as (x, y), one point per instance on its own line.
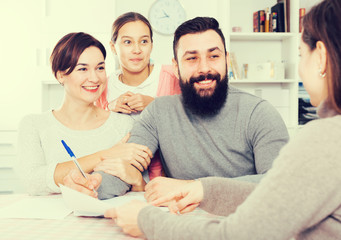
(74, 159)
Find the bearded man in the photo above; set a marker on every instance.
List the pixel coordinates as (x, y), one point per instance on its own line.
(211, 129)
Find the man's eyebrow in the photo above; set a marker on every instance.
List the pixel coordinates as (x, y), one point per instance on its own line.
(190, 52)
(195, 51)
(214, 48)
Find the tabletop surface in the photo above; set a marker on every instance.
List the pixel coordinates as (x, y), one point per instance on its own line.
(69, 228)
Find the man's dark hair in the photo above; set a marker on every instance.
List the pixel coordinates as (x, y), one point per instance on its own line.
(196, 25)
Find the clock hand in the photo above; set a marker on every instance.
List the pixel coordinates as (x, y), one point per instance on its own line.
(165, 14)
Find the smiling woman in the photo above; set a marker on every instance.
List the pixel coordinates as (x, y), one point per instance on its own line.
(78, 63)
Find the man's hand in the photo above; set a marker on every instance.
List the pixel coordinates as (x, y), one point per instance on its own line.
(184, 199)
(161, 186)
(75, 180)
(126, 217)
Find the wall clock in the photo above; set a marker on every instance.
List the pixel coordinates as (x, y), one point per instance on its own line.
(166, 15)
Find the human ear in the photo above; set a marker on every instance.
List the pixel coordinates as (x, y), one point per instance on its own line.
(322, 56)
(112, 47)
(175, 68)
(227, 56)
(60, 77)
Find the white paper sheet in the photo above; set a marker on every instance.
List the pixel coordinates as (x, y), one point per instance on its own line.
(84, 205)
(79, 202)
(49, 207)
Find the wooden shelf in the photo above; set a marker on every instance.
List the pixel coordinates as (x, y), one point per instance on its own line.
(238, 36)
(241, 81)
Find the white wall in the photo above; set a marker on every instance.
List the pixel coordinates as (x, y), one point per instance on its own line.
(162, 49)
(20, 88)
(31, 28)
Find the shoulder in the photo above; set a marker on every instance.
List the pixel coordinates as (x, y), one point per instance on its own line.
(169, 100)
(240, 95)
(318, 139)
(249, 101)
(325, 128)
(163, 105)
(36, 123)
(246, 102)
(36, 119)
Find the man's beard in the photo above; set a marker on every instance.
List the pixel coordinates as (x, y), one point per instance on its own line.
(205, 105)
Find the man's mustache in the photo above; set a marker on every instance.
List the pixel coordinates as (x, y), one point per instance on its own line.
(199, 78)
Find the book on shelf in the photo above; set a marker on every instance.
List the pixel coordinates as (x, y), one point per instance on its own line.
(275, 20)
(234, 66)
(278, 11)
(267, 20)
(301, 15)
(259, 21)
(286, 14)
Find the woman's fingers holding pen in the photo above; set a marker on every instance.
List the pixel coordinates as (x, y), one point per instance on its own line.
(76, 181)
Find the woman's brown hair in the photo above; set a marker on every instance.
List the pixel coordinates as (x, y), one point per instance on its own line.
(66, 53)
(323, 23)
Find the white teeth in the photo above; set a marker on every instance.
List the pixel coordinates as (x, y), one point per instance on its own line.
(205, 81)
(90, 88)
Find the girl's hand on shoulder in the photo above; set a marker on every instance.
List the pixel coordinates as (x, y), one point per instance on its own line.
(138, 102)
(120, 104)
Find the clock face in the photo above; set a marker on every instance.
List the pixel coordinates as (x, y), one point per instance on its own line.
(166, 15)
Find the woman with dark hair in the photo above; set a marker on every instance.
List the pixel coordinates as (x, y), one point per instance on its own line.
(78, 63)
(300, 196)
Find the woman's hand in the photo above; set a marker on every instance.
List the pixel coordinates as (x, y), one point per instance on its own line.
(123, 170)
(184, 199)
(126, 216)
(75, 180)
(136, 154)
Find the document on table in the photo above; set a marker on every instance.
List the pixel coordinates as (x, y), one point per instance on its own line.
(47, 207)
(84, 205)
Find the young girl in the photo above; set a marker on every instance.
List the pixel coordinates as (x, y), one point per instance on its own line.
(300, 197)
(138, 81)
(91, 132)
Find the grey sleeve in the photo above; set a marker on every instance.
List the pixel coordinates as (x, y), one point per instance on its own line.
(267, 134)
(223, 195)
(144, 130)
(111, 186)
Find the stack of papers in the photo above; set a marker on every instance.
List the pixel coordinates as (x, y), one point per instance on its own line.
(84, 205)
(58, 207)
